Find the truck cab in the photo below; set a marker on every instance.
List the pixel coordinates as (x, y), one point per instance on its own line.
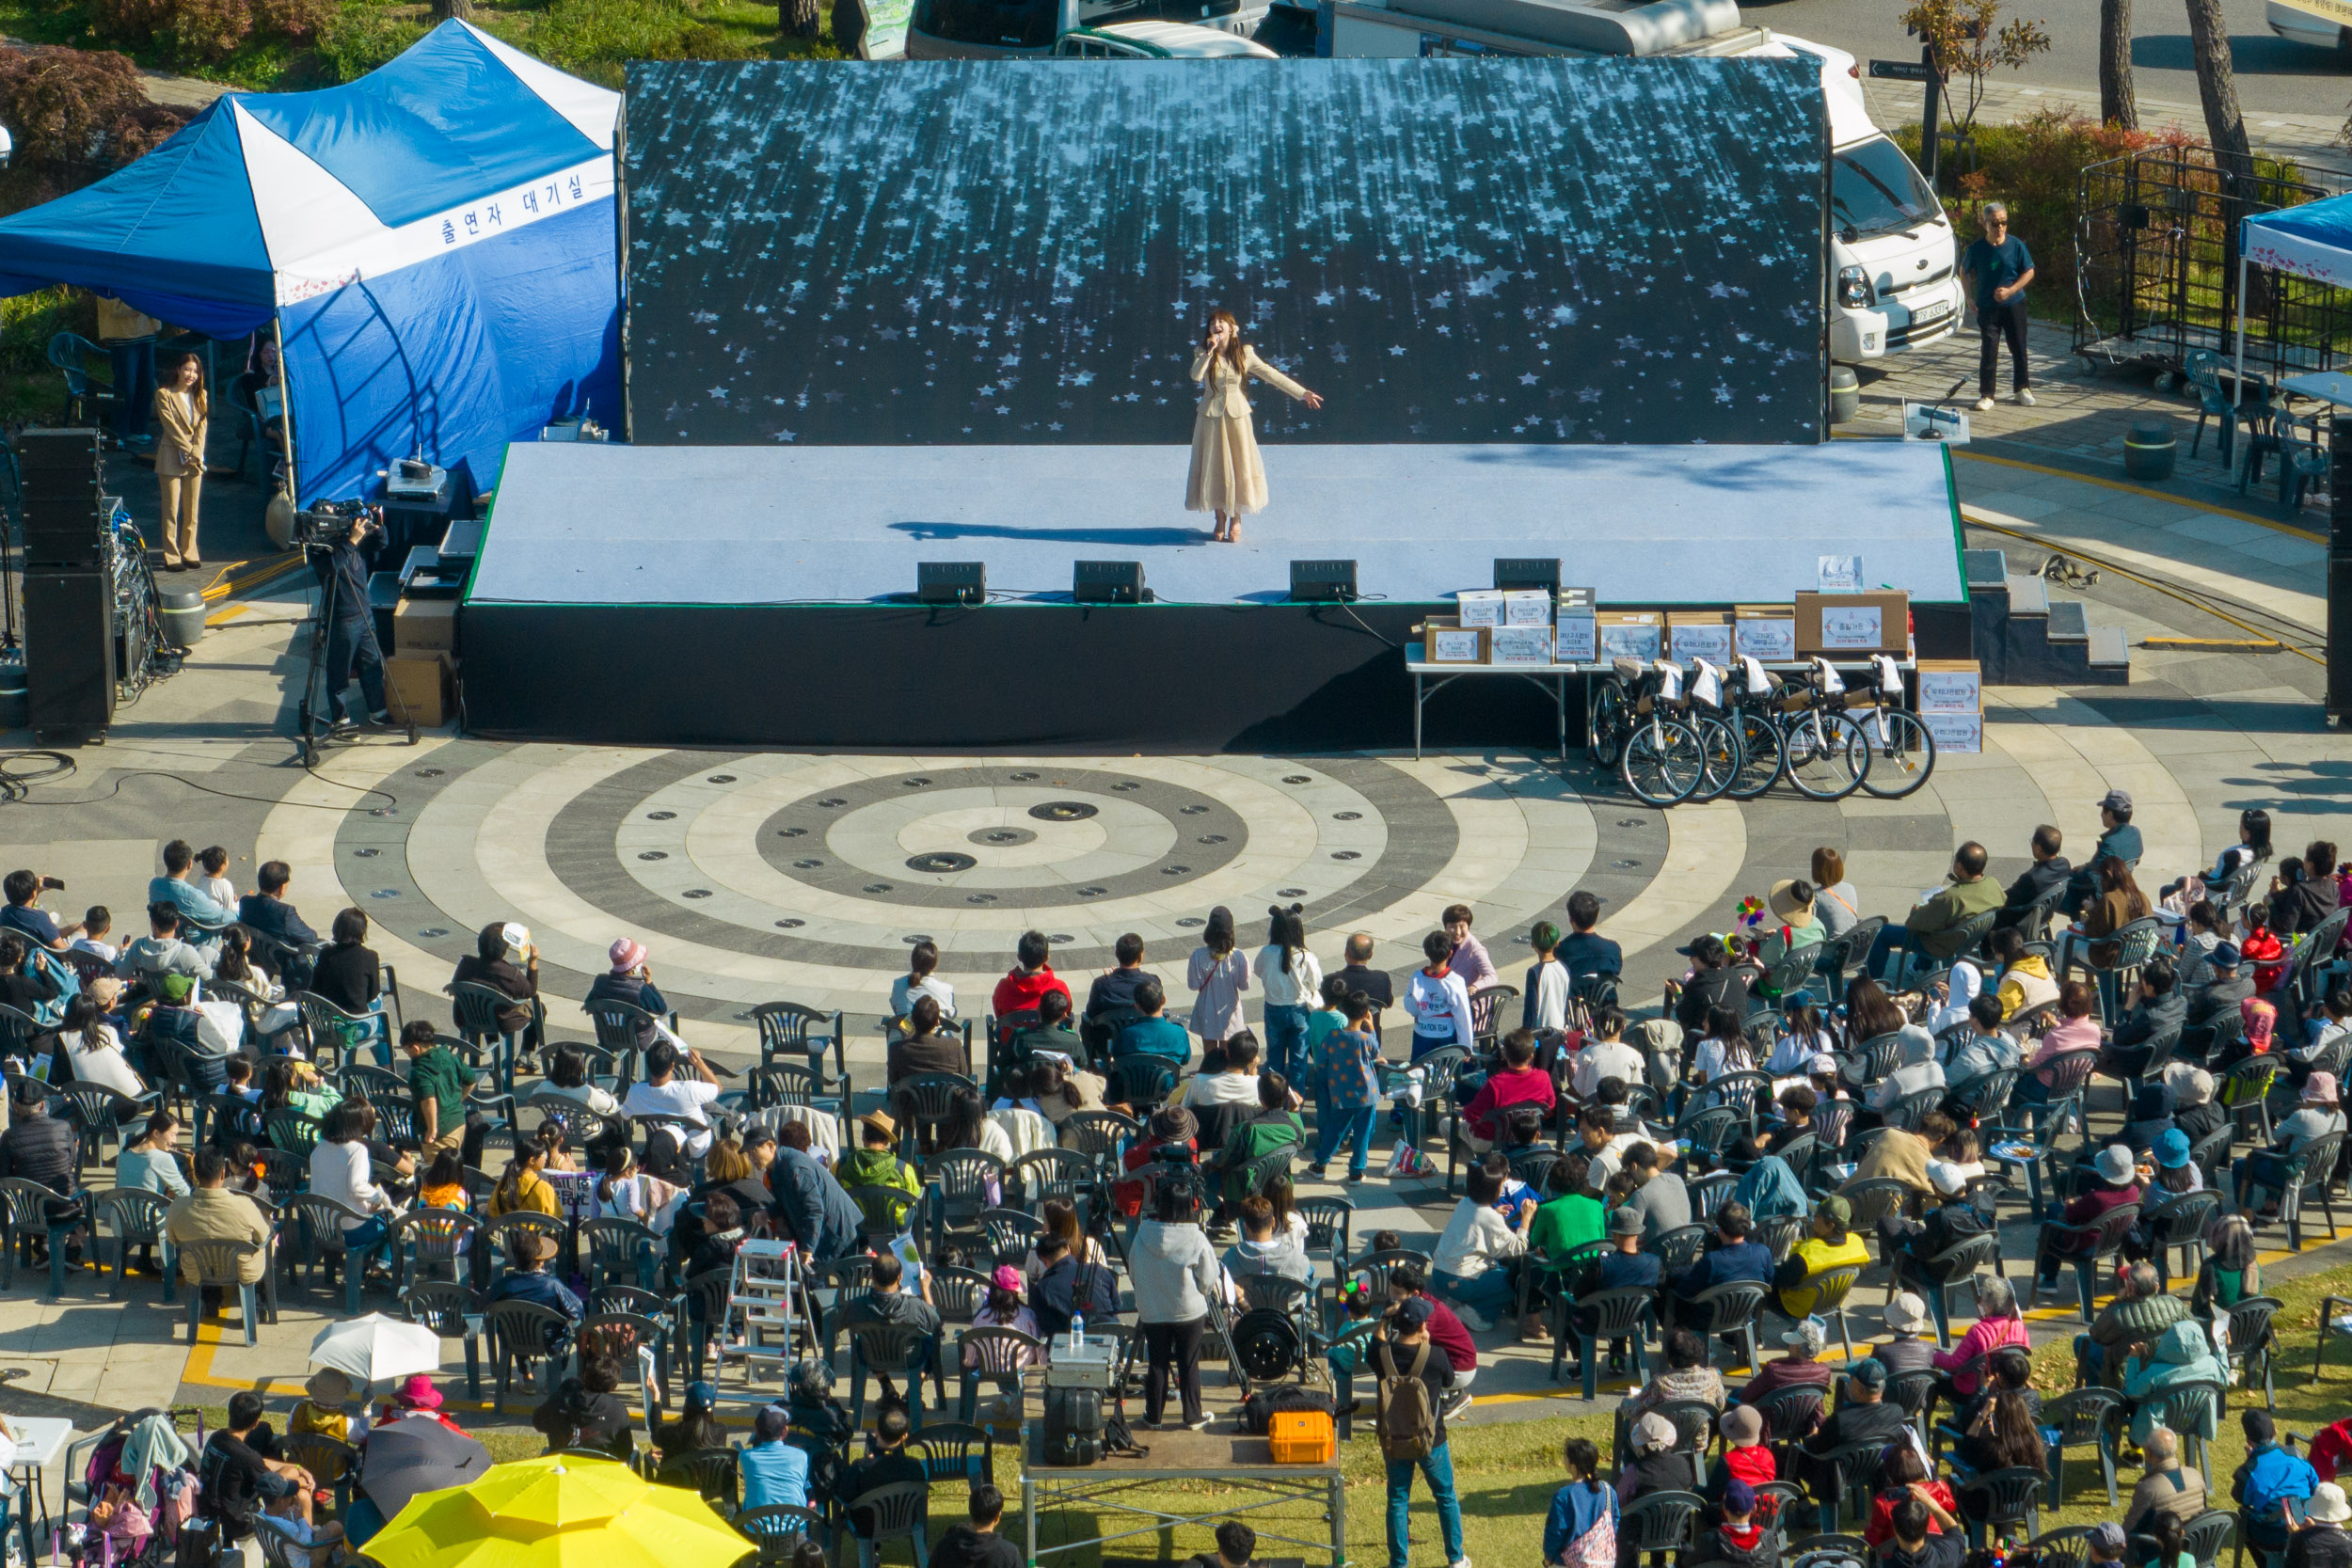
(1029, 29)
(1893, 258)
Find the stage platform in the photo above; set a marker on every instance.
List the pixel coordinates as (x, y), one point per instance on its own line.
(750, 595)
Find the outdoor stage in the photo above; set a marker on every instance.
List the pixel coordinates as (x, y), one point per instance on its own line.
(741, 596)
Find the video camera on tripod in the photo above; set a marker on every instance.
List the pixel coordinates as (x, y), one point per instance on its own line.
(329, 525)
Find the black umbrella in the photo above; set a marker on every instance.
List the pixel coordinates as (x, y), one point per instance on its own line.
(413, 1454)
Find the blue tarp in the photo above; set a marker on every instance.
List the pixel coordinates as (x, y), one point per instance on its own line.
(435, 242)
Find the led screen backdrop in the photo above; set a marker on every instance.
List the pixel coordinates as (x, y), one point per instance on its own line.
(1024, 251)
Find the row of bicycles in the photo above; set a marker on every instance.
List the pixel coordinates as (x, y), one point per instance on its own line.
(1673, 735)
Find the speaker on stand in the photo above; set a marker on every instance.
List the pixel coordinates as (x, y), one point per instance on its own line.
(68, 586)
(2340, 567)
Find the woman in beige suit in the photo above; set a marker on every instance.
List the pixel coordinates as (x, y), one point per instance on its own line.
(1227, 476)
(182, 418)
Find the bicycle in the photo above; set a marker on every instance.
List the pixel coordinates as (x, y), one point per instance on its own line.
(1718, 742)
(1754, 714)
(1826, 754)
(1902, 752)
(1634, 729)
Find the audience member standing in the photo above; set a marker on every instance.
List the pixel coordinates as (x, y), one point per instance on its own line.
(1997, 268)
(1218, 975)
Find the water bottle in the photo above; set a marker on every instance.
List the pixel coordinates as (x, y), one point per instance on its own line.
(1077, 1330)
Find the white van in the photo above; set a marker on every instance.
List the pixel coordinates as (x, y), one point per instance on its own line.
(1893, 282)
(2322, 23)
(1029, 29)
(1157, 40)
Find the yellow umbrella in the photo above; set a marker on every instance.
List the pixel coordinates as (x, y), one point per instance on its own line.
(559, 1510)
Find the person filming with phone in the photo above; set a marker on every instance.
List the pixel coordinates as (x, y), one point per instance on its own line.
(25, 915)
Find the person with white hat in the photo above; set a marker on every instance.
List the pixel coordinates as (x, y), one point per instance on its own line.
(2323, 1538)
(2267, 1169)
(2193, 1109)
(1656, 1467)
(507, 961)
(2076, 1231)
(1800, 1367)
(1907, 1318)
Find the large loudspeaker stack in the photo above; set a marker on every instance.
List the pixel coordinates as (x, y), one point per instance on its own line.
(68, 586)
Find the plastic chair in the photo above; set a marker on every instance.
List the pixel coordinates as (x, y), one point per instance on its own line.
(475, 1007)
(1956, 1265)
(453, 1312)
(898, 1513)
(1602, 1317)
(521, 1331)
(1142, 1082)
(1659, 1523)
(216, 1264)
(330, 1461)
(1001, 1354)
(1049, 1173)
(2179, 1222)
(619, 1246)
(2005, 1499)
(1729, 1308)
(791, 1030)
(2105, 1235)
(2081, 1415)
(422, 1240)
(710, 1472)
(953, 1451)
(28, 1216)
(889, 1350)
(779, 1527)
(2311, 1173)
(2252, 1342)
(137, 1217)
(70, 352)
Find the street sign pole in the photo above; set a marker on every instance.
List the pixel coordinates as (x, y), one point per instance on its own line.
(1931, 135)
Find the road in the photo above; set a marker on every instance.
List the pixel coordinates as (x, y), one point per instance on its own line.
(2272, 73)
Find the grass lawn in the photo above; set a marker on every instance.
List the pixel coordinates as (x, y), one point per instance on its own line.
(1507, 1472)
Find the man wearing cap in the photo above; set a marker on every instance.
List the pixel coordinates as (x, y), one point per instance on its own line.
(2118, 841)
(1829, 1243)
(2138, 1315)
(875, 1161)
(1864, 1416)
(1934, 923)
(2270, 1477)
(1906, 1318)
(529, 1280)
(1407, 1283)
(2223, 989)
(1626, 1267)
(507, 961)
(1405, 1346)
(2267, 1169)
(1799, 1368)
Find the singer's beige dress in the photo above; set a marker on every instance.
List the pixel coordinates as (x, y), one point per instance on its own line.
(1227, 475)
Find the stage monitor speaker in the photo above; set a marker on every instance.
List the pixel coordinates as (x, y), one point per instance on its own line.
(2340, 568)
(1322, 582)
(1108, 582)
(1515, 572)
(950, 582)
(69, 651)
(46, 452)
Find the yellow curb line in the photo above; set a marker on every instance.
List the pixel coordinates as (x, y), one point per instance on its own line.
(2270, 523)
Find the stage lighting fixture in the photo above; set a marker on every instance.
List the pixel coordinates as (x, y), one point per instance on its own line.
(1520, 572)
(950, 582)
(1107, 583)
(1322, 582)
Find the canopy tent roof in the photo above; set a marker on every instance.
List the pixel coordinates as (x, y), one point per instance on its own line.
(267, 198)
(2311, 241)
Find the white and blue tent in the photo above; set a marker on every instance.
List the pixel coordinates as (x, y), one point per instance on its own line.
(434, 243)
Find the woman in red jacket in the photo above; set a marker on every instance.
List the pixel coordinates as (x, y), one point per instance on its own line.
(1518, 1082)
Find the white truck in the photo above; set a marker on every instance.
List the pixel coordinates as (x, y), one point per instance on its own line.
(1893, 284)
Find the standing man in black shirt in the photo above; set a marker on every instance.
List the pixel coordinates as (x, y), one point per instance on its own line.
(978, 1544)
(1360, 975)
(1584, 951)
(342, 574)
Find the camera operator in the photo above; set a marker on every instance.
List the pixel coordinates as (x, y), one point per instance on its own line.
(25, 915)
(340, 559)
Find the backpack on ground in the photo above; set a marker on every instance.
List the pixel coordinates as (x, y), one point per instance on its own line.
(1407, 1419)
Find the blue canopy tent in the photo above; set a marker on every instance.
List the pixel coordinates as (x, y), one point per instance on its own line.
(2312, 241)
(435, 244)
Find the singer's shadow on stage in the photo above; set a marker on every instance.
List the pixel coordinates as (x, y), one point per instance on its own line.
(1165, 537)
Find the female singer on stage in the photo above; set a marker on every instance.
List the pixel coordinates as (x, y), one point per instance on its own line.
(1227, 477)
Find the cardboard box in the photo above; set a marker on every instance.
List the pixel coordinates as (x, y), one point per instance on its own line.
(1576, 640)
(1849, 623)
(1765, 631)
(1632, 633)
(1527, 608)
(1950, 685)
(1955, 732)
(417, 687)
(1699, 634)
(1519, 645)
(1479, 607)
(424, 626)
(1450, 643)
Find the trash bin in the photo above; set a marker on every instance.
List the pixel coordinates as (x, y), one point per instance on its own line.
(1845, 394)
(183, 615)
(2149, 450)
(15, 709)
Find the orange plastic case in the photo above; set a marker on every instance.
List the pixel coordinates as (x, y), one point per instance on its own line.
(1302, 1438)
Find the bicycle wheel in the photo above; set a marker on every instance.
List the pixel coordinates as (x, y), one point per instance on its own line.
(1604, 723)
(1827, 755)
(1664, 762)
(1762, 756)
(1720, 745)
(1902, 753)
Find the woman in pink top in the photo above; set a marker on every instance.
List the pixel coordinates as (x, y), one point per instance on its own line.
(2078, 1029)
(1998, 1324)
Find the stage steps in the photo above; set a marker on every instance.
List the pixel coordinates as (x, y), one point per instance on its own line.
(2023, 636)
